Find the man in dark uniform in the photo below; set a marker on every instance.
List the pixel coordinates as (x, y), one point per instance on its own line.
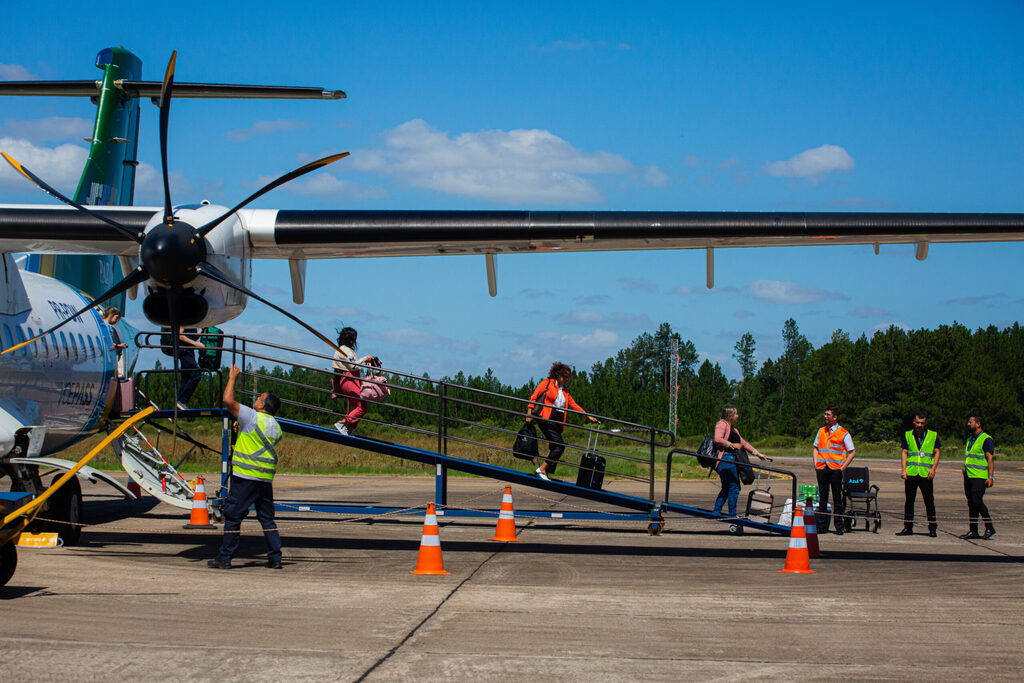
(979, 471)
(919, 460)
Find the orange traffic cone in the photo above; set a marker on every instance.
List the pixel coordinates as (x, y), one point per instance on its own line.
(200, 518)
(429, 560)
(506, 530)
(797, 561)
(811, 531)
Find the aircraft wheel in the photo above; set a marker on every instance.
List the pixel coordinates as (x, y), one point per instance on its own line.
(66, 506)
(8, 562)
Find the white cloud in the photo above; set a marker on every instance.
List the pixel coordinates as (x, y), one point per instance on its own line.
(868, 312)
(15, 72)
(503, 166)
(812, 164)
(59, 166)
(633, 285)
(149, 186)
(778, 292)
(655, 177)
(50, 129)
(326, 186)
(264, 128)
(618, 321)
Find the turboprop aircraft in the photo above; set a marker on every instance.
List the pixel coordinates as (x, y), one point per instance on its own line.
(193, 261)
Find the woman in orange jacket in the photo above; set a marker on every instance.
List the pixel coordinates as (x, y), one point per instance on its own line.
(550, 401)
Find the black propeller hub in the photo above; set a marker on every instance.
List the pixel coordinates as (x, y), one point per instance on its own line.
(170, 253)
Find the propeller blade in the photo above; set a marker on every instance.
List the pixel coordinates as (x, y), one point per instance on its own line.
(137, 276)
(312, 166)
(126, 231)
(213, 273)
(165, 111)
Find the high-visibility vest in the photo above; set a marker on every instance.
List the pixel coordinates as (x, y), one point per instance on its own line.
(920, 460)
(975, 462)
(831, 449)
(254, 456)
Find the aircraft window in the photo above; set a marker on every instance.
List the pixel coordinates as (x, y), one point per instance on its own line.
(7, 336)
(64, 345)
(74, 346)
(46, 347)
(81, 343)
(21, 337)
(92, 349)
(53, 343)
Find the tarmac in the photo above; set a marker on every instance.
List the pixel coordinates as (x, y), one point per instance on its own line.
(571, 601)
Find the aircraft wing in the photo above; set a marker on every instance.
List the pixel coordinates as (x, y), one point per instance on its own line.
(64, 230)
(307, 234)
(339, 234)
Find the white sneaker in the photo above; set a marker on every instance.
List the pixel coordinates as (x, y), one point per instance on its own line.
(181, 406)
(342, 429)
(540, 473)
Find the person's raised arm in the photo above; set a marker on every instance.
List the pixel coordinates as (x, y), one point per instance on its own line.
(229, 392)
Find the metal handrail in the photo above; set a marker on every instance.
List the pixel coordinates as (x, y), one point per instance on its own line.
(769, 469)
(651, 437)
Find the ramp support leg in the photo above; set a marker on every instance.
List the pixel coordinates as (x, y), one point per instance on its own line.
(441, 485)
(225, 457)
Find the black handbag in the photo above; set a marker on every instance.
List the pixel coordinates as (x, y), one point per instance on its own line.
(525, 446)
(743, 468)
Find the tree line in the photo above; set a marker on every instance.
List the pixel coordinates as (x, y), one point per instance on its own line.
(876, 382)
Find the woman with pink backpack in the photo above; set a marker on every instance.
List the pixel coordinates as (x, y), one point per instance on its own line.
(347, 382)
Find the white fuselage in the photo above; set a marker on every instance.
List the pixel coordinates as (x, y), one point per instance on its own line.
(63, 383)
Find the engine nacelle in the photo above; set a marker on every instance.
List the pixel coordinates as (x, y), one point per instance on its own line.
(205, 302)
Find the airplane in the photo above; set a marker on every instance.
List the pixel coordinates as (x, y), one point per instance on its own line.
(193, 261)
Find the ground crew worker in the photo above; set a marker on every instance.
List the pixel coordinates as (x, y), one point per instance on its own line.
(254, 461)
(918, 463)
(979, 470)
(833, 451)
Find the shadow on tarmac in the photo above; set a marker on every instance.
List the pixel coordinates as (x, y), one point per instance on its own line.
(252, 544)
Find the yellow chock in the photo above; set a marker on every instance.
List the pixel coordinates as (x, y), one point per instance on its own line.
(44, 540)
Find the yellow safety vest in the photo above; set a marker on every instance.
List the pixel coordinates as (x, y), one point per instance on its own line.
(975, 461)
(254, 456)
(920, 460)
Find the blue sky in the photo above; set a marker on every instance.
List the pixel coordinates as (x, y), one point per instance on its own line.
(863, 106)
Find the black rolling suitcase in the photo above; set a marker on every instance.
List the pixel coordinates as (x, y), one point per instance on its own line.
(591, 474)
(759, 501)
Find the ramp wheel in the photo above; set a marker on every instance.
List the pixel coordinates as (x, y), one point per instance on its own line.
(735, 529)
(66, 506)
(8, 562)
(878, 522)
(655, 528)
(850, 523)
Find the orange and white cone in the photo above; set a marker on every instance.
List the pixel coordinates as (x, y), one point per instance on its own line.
(200, 517)
(506, 530)
(797, 561)
(811, 531)
(429, 560)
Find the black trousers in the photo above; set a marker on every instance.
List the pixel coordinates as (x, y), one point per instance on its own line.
(910, 488)
(190, 376)
(829, 478)
(242, 494)
(974, 489)
(552, 432)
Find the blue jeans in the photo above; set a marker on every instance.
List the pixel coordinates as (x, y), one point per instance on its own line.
(730, 484)
(243, 493)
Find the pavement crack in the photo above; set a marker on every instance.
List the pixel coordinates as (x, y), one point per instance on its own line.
(436, 609)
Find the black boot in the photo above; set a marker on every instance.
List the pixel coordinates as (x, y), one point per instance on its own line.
(907, 531)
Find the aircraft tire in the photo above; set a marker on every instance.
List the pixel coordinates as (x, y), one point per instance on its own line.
(8, 562)
(67, 507)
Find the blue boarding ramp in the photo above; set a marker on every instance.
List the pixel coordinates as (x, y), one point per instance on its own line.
(423, 419)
